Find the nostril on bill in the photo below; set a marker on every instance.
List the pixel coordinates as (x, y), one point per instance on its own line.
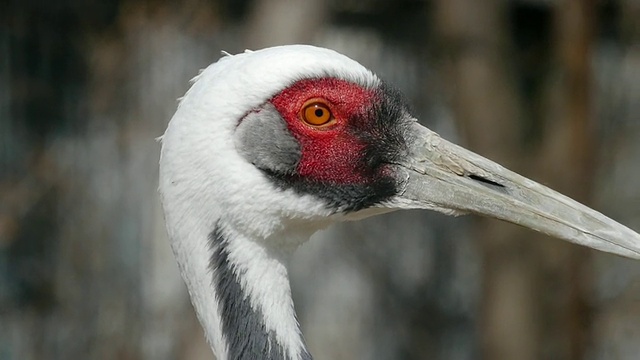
(486, 181)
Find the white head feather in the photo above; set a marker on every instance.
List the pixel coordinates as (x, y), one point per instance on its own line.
(203, 179)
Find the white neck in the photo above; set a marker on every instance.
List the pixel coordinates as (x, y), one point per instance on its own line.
(240, 290)
(203, 178)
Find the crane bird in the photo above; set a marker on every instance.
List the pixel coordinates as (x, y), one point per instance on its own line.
(269, 146)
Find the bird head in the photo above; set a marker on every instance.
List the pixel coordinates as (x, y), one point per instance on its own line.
(269, 146)
(290, 139)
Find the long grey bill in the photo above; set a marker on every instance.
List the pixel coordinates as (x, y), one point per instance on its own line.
(445, 177)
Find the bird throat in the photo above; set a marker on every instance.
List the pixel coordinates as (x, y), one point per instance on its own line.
(254, 300)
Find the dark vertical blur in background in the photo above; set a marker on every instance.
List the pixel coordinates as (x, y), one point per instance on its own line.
(550, 88)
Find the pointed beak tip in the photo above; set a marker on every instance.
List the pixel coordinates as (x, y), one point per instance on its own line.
(448, 178)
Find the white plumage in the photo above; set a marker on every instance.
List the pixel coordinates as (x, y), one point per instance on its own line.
(204, 180)
(217, 202)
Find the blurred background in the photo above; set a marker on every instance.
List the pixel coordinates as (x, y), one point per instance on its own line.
(549, 88)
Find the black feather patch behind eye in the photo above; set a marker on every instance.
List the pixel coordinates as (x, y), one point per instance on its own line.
(264, 140)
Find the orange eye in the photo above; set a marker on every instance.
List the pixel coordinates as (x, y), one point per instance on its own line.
(316, 113)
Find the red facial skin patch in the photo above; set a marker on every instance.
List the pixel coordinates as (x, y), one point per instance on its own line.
(333, 153)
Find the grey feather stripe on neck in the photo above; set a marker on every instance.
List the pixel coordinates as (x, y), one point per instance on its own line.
(243, 326)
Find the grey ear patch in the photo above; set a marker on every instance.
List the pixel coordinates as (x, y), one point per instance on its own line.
(263, 139)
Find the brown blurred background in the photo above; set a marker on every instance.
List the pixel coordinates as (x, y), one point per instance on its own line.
(549, 88)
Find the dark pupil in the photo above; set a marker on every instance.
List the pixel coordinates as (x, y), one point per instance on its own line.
(319, 112)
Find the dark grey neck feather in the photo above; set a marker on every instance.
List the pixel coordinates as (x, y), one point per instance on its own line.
(243, 326)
